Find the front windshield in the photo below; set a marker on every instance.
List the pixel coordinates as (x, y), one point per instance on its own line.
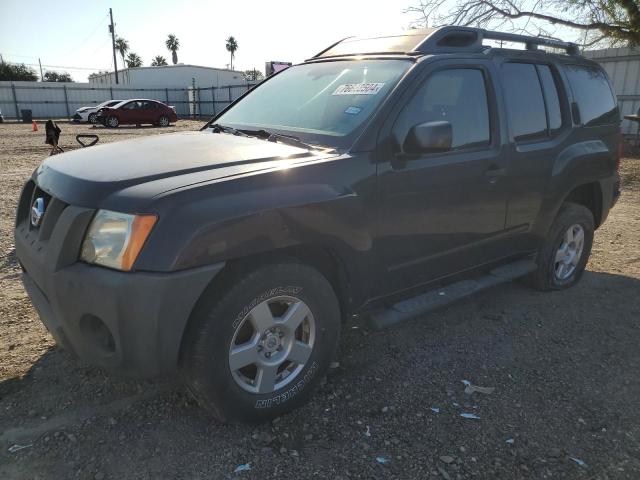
(318, 102)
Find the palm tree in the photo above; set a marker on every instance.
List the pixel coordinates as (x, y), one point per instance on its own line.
(232, 46)
(123, 47)
(173, 45)
(158, 61)
(134, 60)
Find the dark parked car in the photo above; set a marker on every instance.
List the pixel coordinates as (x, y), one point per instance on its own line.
(383, 184)
(137, 112)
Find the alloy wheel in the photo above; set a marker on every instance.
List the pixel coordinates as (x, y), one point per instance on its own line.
(272, 344)
(569, 252)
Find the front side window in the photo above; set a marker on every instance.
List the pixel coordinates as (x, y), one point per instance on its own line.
(326, 102)
(456, 95)
(525, 103)
(593, 94)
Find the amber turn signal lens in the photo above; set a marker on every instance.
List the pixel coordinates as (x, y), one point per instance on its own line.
(140, 230)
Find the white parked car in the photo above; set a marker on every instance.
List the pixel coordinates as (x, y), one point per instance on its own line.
(88, 114)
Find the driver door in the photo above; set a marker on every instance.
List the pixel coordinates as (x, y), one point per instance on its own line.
(443, 212)
(128, 112)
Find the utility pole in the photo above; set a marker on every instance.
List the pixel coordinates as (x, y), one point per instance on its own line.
(41, 75)
(113, 44)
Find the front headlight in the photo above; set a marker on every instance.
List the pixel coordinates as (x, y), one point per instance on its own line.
(115, 239)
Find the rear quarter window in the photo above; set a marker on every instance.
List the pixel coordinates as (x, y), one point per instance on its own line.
(593, 94)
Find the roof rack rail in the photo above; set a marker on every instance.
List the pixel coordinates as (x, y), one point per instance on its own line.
(454, 38)
(531, 43)
(448, 39)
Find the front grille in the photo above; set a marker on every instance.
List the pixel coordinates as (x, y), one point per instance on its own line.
(53, 208)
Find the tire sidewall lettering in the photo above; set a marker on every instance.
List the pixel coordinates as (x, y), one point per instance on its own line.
(291, 392)
(273, 292)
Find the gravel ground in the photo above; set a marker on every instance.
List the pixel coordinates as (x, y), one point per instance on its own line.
(564, 366)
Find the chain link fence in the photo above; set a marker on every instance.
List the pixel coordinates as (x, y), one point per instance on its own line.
(61, 100)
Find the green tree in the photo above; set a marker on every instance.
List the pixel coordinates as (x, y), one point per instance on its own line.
(158, 61)
(253, 75)
(597, 21)
(9, 71)
(122, 46)
(52, 76)
(133, 60)
(232, 46)
(173, 44)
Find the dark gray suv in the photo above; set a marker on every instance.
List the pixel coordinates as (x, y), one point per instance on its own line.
(384, 176)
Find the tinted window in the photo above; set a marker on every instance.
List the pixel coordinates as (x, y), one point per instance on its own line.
(551, 98)
(525, 104)
(458, 96)
(593, 94)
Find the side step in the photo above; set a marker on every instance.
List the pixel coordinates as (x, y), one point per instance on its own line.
(440, 297)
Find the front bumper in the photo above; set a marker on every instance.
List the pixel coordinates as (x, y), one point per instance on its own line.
(132, 322)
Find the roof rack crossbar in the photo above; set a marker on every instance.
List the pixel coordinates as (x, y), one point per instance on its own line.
(531, 43)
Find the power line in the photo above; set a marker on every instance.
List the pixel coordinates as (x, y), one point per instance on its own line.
(95, 29)
(62, 66)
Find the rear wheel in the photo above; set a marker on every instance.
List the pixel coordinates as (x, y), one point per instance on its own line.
(163, 121)
(113, 121)
(258, 350)
(564, 255)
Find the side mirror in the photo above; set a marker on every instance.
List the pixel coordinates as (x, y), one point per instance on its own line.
(429, 137)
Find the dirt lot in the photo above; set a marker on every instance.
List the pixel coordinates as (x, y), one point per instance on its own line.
(564, 366)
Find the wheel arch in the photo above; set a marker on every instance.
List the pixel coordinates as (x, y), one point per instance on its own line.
(326, 260)
(588, 195)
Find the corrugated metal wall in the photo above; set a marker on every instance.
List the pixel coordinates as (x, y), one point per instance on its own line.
(623, 67)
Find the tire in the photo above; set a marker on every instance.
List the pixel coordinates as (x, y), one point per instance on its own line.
(558, 269)
(163, 121)
(221, 323)
(92, 118)
(112, 121)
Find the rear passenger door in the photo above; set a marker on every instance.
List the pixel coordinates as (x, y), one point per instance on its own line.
(538, 123)
(441, 213)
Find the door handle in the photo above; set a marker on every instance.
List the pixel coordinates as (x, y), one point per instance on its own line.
(495, 172)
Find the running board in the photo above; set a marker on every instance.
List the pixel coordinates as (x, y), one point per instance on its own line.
(440, 297)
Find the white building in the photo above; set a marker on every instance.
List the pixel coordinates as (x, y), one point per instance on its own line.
(170, 76)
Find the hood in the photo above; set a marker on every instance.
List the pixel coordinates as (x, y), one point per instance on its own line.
(153, 165)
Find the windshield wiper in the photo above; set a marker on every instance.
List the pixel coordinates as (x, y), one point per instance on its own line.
(280, 137)
(217, 128)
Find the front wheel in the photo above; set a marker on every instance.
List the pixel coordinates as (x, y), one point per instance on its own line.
(163, 121)
(92, 118)
(564, 255)
(258, 350)
(113, 121)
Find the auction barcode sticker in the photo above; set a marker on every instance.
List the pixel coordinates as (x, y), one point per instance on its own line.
(358, 89)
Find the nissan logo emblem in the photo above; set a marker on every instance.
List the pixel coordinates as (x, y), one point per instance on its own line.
(37, 212)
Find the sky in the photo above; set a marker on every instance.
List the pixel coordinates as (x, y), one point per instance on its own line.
(72, 36)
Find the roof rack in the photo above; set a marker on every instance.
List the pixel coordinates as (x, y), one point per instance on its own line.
(531, 43)
(447, 39)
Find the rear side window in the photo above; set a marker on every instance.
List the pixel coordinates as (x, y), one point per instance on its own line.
(593, 94)
(525, 102)
(551, 97)
(458, 96)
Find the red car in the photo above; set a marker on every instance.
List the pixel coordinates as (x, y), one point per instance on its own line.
(137, 112)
